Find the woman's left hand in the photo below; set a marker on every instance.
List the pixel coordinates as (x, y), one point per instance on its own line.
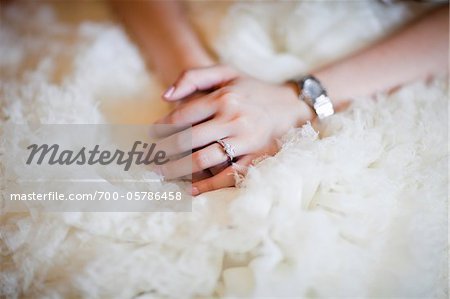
(248, 114)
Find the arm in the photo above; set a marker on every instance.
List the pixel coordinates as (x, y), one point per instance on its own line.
(418, 51)
(241, 110)
(164, 36)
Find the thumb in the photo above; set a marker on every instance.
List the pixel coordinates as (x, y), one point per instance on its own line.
(199, 79)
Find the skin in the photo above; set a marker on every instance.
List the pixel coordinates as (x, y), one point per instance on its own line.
(221, 103)
(166, 39)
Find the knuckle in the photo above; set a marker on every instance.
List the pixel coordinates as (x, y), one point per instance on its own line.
(244, 123)
(229, 100)
(228, 94)
(176, 117)
(201, 160)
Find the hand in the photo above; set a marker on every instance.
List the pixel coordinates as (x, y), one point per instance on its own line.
(246, 113)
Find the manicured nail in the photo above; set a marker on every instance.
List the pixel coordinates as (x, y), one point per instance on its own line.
(169, 92)
(159, 170)
(194, 191)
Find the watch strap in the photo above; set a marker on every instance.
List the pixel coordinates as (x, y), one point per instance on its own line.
(315, 95)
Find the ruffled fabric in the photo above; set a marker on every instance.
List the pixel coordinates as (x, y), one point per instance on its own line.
(353, 207)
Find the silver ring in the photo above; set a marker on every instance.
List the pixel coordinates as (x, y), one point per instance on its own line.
(228, 149)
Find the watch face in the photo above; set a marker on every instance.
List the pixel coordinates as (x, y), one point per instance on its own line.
(312, 88)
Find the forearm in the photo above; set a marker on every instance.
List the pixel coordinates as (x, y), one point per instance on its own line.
(417, 51)
(165, 37)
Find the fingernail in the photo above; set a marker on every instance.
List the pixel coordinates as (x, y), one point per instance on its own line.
(169, 92)
(159, 170)
(194, 191)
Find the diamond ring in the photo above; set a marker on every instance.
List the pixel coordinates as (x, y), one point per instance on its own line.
(228, 149)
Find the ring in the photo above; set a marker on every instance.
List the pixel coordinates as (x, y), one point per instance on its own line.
(228, 149)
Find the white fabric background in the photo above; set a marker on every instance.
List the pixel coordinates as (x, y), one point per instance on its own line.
(354, 207)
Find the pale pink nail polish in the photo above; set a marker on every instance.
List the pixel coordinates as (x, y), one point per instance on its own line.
(194, 191)
(158, 170)
(169, 92)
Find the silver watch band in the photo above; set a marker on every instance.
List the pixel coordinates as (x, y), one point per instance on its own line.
(314, 94)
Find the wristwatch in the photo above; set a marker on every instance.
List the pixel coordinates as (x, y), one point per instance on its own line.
(315, 95)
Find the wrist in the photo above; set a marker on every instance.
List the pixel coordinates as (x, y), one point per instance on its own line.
(314, 94)
(336, 85)
(302, 112)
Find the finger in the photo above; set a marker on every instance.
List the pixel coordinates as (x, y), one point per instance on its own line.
(221, 180)
(198, 161)
(192, 112)
(240, 145)
(181, 104)
(159, 129)
(201, 175)
(194, 137)
(241, 167)
(195, 177)
(199, 79)
(218, 168)
(226, 178)
(208, 157)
